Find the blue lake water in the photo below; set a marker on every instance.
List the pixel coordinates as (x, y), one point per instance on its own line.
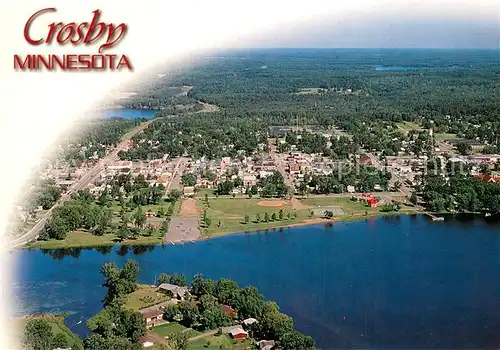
(128, 113)
(394, 282)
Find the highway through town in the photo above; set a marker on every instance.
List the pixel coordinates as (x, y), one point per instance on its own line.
(83, 182)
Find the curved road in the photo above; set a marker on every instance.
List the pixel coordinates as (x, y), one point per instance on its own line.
(85, 180)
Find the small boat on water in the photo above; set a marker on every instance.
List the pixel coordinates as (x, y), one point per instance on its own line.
(487, 215)
(437, 218)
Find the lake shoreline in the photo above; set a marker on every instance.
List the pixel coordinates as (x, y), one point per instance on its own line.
(336, 269)
(154, 242)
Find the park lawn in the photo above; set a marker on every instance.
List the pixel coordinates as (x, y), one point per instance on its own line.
(79, 239)
(145, 296)
(200, 192)
(57, 324)
(408, 126)
(168, 328)
(351, 208)
(440, 137)
(231, 213)
(219, 342)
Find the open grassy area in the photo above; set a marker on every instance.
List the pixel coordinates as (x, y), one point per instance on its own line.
(145, 296)
(80, 239)
(408, 126)
(58, 327)
(351, 208)
(231, 213)
(219, 342)
(440, 137)
(167, 329)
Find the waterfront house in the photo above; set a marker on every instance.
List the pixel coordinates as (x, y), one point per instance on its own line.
(174, 291)
(228, 310)
(249, 322)
(152, 316)
(145, 342)
(238, 333)
(266, 344)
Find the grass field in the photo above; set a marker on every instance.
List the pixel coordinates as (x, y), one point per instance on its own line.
(80, 239)
(167, 329)
(440, 137)
(145, 296)
(58, 327)
(408, 126)
(219, 342)
(231, 213)
(351, 208)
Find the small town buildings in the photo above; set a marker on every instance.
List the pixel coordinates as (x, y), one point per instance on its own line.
(228, 310)
(152, 317)
(249, 322)
(364, 160)
(162, 180)
(372, 202)
(487, 178)
(249, 180)
(174, 291)
(121, 165)
(238, 333)
(189, 191)
(266, 344)
(145, 342)
(294, 168)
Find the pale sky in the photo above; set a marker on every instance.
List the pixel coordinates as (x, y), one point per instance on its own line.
(464, 24)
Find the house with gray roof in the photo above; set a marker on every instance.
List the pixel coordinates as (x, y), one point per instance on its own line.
(174, 291)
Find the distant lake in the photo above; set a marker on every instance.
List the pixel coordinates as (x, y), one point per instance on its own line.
(407, 68)
(390, 282)
(128, 113)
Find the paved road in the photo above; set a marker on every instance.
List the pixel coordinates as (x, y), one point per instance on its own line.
(84, 181)
(280, 162)
(175, 182)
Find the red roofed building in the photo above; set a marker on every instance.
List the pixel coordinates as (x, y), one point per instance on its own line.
(238, 333)
(365, 160)
(228, 310)
(372, 202)
(487, 178)
(294, 168)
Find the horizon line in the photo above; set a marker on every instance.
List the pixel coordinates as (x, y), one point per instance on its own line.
(359, 48)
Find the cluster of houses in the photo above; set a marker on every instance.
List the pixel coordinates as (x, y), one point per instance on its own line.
(153, 316)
